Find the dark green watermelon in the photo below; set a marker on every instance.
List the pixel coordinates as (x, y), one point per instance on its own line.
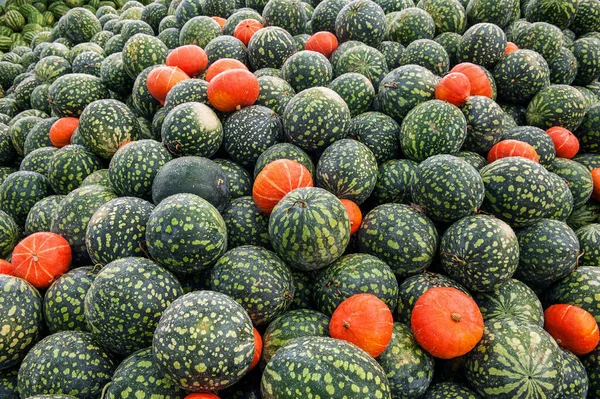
(392, 51)
(71, 93)
(88, 62)
(537, 138)
(238, 16)
(367, 61)
(579, 289)
(483, 44)
(20, 191)
(226, 47)
(50, 68)
(394, 182)
(188, 90)
(520, 75)
(443, 390)
(559, 13)
(41, 214)
(81, 25)
(19, 129)
(575, 381)
(485, 123)
(240, 182)
(577, 176)
(306, 69)
(270, 47)
(114, 76)
(275, 93)
(246, 225)
(428, 54)
(587, 52)
(39, 160)
(557, 105)
(143, 51)
(8, 383)
(325, 14)
(472, 158)
(584, 215)
(198, 31)
(69, 166)
(588, 132)
(411, 24)
(378, 132)
(563, 67)
(287, 14)
(589, 242)
(361, 20)
(542, 37)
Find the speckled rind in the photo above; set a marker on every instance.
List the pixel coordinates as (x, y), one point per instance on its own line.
(378, 132)
(394, 181)
(287, 14)
(246, 225)
(70, 94)
(41, 214)
(485, 123)
(577, 176)
(20, 191)
(449, 390)
(363, 59)
(428, 54)
(411, 24)
(142, 51)
(275, 93)
(575, 381)
(589, 241)
(588, 132)
(356, 90)
(520, 75)
(221, 349)
(199, 31)
(38, 136)
(306, 69)
(270, 47)
(578, 288)
(482, 44)
(361, 20)
(537, 138)
(69, 166)
(240, 182)
(38, 160)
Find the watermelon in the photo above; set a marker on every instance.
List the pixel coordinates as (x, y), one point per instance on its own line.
(361, 20)
(113, 74)
(50, 68)
(199, 31)
(38, 135)
(240, 182)
(356, 90)
(174, 227)
(142, 51)
(394, 182)
(588, 132)
(257, 279)
(131, 27)
(39, 98)
(587, 52)
(70, 94)
(587, 18)
(366, 60)
(38, 160)
(442, 390)
(411, 24)
(591, 362)
(114, 45)
(170, 37)
(559, 13)
(246, 225)
(531, 368)
(577, 176)
(8, 383)
(485, 123)
(99, 177)
(588, 237)
(88, 62)
(19, 129)
(520, 75)
(22, 320)
(238, 16)
(69, 166)
(275, 93)
(542, 37)
(480, 252)
(41, 214)
(325, 14)
(226, 47)
(428, 54)
(575, 381)
(64, 300)
(537, 138)
(310, 228)
(579, 289)
(584, 215)
(287, 14)
(389, 227)
(448, 15)
(392, 51)
(20, 191)
(483, 44)
(214, 357)
(270, 47)
(188, 90)
(185, 10)
(306, 69)
(81, 25)
(378, 132)
(68, 361)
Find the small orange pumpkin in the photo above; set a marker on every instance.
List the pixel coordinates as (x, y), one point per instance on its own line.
(190, 58)
(572, 327)
(512, 148)
(202, 396)
(565, 142)
(322, 42)
(365, 321)
(480, 83)
(222, 65)
(510, 47)
(354, 213)
(233, 90)
(446, 322)
(41, 257)
(6, 268)
(258, 345)
(277, 179)
(220, 21)
(596, 178)
(454, 88)
(162, 79)
(62, 130)
(246, 29)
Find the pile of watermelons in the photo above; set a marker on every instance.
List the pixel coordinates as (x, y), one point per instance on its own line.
(196, 194)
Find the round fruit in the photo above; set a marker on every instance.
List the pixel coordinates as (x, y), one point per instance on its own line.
(512, 148)
(232, 90)
(62, 130)
(190, 58)
(322, 42)
(572, 327)
(479, 80)
(162, 79)
(246, 29)
(596, 177)
(354, 213)
(6, 268)
(222, 65)
(455, 87)
(565, 142)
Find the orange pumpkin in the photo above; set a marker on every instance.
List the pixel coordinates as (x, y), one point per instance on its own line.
(512, 148)
(202, 396)
(222, 65)
(6, 268)
(41, 257)
(190, 58)
(596, 178)
(246, 29)
(565, 142)
(162, 79)
(258, 345)
(446, 322)
(365, 321)
(354, 213)
(322, 42)
(572, 327)
(62, 130)
(276, 180)
(220, 21)
(454, 88)
(233, 90)
(510, 47)
(480, 83)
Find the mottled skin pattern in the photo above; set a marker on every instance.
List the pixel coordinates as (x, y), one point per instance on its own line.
(539, 140)
(170, 37)
(199, 31)
(114, 45)
(143, 51)
(50, 68)
(542, 37)
(240, 182)
(413, 287)
(485, 123)
(411, 24)
(125, 302)
(307, 69)
(19, 130)
(575, 381)
(38, 160)
(392, 51)
(113, 75)
(132, 27)
(63, 302)
(288, 14)
(512, 300)
(588, 132)
(257, 279)
(315, 118)
(249, 132)
(390, 227)
(309, 228)
(73, 215)
(428, 54)
(348, 169)
(479, 252)
(50, 396)
(577, 176)
(270, 47)
(238, 16)
(589, 241)
(303, 283)
(321, 367)
(520, 75)
(356, 90)
(563, 67)
(99, 177)
(515, 359)
(88, 62)
(325, 13)
(563, 199)
(497, 12)
(21, 319)
(70, 94)
(404, 88)
(69, 166)
(186, 234)
(579, 288)
(584, 215)
(41, 214)
(226, 47)
(367, 61)
(8, 383)
(559, 13)
(472, 158)
(139, 375)
(20, 191)
(340, 51)
(591, 363)
(246, 225)
(204, 341)
(68, 362)
(81, 25)
(377, 131)
(275, 93)
(482, 44)
(361, 20)
(185, 10)
(449, 390)
(133, 168)
(448, 15)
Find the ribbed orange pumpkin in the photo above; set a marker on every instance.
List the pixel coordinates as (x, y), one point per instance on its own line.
(41, 257)
(276, 180)
(202, 396)
(190, 58)
(365, 321)
(322, 42)
(454, 88)
(510, 47)
(258, 345)
(446, 322)
(480, 83)
(596, 178)
(233, 90)
(62, 130)
(354, 213)
(220, 21)
(512, 148)
(565, 142)
(222, 65)
(162, 79)
(246, 29)
(6, 268)
(572, 327)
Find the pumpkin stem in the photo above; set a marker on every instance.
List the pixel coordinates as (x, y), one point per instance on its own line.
(34, 257)
(346, 324)
(456, 317)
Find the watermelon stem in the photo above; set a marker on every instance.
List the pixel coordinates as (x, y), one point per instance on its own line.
(455, 258)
